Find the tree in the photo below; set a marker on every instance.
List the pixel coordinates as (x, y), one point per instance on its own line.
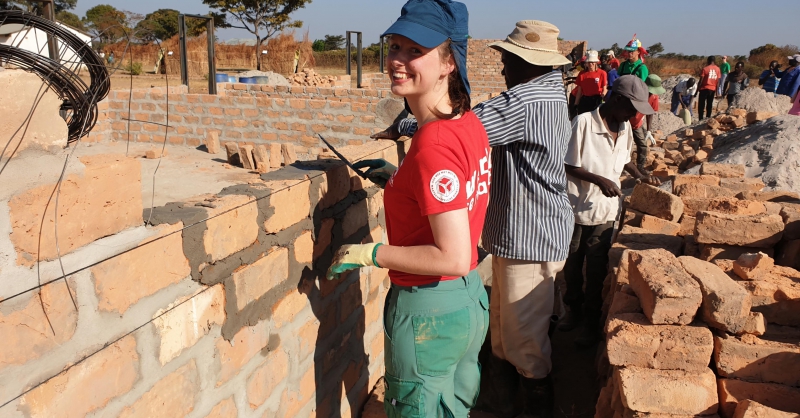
(70, 19)
(333, 42)
(655, 49)
(106, 23)
(262, 18)
(163, 24)
(318, 45)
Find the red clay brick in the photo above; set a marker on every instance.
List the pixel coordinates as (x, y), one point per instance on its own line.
(667, 293)
(109, 373)
(732, 391)
(264, 379)
(26, 333)
(245, 345)
(654, 201)
(108, 192)
(634, 342)
(667, 391)
(755, 360)
(726, 304)
(760, 231)
(173, 396)
(753, 409)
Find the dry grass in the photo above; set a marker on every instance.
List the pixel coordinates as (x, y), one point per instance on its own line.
(280, 58)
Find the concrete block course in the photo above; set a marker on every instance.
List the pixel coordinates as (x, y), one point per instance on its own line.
(254, 281)
(108, 193)
(123, 281)
(110, 373)
(25, 330)
(667, 293)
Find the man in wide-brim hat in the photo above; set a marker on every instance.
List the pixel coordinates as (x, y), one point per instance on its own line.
(529, 220)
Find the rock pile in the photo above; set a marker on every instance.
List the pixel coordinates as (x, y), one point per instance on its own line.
(757, 100)
(700, 277)
(690, 147)
(309, 77)
(770, 150)
(667, 122)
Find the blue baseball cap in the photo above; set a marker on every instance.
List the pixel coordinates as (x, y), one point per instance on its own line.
(431, 22)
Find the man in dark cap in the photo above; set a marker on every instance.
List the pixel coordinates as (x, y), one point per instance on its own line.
(599, 151)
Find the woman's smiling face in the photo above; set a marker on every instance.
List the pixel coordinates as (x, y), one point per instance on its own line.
(413, 69)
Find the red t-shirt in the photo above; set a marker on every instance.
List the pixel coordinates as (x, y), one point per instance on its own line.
(614, 63)
(638, 120)
(710, 77)
(592, 82)
(447, 168)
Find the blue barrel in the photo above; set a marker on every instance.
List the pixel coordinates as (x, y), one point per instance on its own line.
(231, 78)
(247, 80)
(221, 78)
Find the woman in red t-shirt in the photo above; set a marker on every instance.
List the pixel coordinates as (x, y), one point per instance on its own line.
(436, 313)
(591, 85)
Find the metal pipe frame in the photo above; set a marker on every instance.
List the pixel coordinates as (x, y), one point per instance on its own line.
(358, 56)
(212, 64)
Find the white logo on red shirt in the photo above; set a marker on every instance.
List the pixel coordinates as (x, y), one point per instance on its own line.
(712, 75)
(445, 186)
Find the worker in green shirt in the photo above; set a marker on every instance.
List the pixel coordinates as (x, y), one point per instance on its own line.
(634, 64)
(724, 69)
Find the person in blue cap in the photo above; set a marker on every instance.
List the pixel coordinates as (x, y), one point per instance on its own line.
(529, 221)
(436, 315)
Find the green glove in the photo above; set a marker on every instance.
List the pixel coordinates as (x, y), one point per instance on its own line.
(379, 172)
(351, 257)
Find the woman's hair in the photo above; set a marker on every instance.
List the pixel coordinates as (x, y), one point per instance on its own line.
(456, 90)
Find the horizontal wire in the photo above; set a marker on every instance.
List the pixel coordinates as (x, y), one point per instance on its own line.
(106, 345)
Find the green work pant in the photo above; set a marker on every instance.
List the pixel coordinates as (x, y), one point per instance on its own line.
(432, 337)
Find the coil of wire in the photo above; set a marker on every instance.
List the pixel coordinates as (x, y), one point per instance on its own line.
(79, 100)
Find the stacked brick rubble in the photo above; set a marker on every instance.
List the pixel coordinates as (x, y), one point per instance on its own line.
(700, 319)
(309, 77)
(693, 146)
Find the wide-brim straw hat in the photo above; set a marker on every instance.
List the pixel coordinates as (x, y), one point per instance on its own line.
(534, 41)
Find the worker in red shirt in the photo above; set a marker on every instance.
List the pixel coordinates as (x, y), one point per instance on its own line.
(642, 135)
(612, 60)
(591, 85)
(709, 79)
(436, 313)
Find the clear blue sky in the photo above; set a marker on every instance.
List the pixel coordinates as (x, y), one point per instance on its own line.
(687, 26)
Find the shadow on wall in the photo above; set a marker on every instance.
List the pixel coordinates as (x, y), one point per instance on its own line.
(341, 363)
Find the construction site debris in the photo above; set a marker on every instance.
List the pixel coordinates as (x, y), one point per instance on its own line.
(309, 77)
(212, 142)
(759, 100)
(667, 293)
(272, 79)
(667, 122)
(770, 150)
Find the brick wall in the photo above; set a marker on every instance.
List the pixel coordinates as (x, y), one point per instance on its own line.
(229, 317)
(249, 113)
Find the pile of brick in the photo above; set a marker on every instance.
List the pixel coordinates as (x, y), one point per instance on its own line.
(309, 77)
(701, 278)
(693, 146)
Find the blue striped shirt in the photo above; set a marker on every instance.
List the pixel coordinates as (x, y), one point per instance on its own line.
(529, 215)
